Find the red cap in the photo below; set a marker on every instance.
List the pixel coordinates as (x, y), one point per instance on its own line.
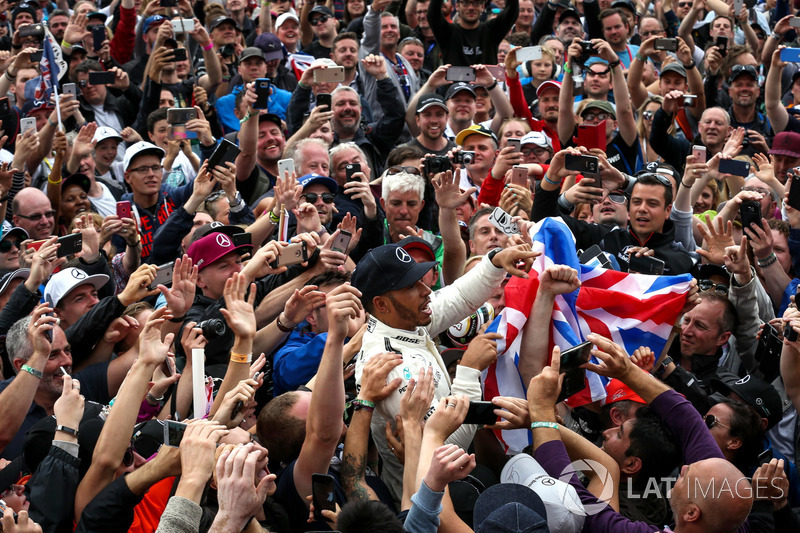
(212, 247)
(616, 391)
(547, 84)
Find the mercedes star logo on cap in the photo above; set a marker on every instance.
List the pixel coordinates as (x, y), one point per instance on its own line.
(223, 240)
(402, 255)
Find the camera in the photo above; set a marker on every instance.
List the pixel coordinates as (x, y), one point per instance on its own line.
(746, 139)
(587, 51)
(789, 333)
(227, 50)
(437, 164)
(212, 328)
(464, 158)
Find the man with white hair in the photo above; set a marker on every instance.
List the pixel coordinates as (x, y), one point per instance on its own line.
(310, 157)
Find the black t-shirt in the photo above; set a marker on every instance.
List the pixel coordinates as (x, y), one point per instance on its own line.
(416, 144)
(317, 50)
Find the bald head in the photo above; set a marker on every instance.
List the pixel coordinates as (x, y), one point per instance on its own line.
(33, 213)
(711, 495)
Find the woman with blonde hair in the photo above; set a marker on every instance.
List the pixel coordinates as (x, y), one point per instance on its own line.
(644, 122)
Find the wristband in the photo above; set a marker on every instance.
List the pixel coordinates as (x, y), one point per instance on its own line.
(614, 64)
(32, 371)
(11, 78)
(690, 66)
(274, 218)
(151, 398)
(776, 36)
(241, 357)
(51, 182)
(640, 57)
(54, 124)
(303, 86)
(663, 367)
(208, 46)
(281, 326)
(492, 86)
(366, 405)
(768, 261)
(551, 425)
(70, 431)
(548, 180)
(246, 118)
(65, 44)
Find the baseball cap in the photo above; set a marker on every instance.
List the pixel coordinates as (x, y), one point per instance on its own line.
(509, 507)
(97, 15)
(431, 99)
(140, 148)
(221, 20)
(270, 46)
(457, 88)
(569, 12)
(564, 508)
(104, 132)
(32, 106)
(18, 232)
(742, 70)
(251, 51)
(311, 179)
(657, 167)
(617, 391)
(548, 84)
(451, 355)
(325, 61)
(387, 268)
(206, 250)
(150, 21)
(756, 393)
(538, 138)
(64, 282)
(786, 143)
(8, 277)
(325, 10)
(602, 105)
(283, 18)
(81, 180)
(416, 243)
(13, 472)
(475, 129)
(270, 117)
(674, 67)
(624, 4)
(216, 227)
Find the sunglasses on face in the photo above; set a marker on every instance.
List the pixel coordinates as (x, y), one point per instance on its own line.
(598, 116)
(684, 4)
(617, 198)
(311, 197)
(647, 115)
(712, 421)
(127, 459)
(708, 285)
(6, 244)
(397, 169)
(316, 21)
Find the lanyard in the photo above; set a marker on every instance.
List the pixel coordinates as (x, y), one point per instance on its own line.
(402, 74)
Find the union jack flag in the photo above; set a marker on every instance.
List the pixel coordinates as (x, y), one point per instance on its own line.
(49, 74)
(633, 310)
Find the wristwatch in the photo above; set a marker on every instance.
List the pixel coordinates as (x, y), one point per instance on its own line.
(493, 253)
(70, 431)
(663, 368)
(238, 200)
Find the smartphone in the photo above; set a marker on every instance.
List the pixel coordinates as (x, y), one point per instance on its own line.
(32, 30)
(768, 352)
(70, 244)
(98, 36)
(574, 382)
(651, 266)
(499, 72)
(794, 22)
(750, 212)
(322, 494)
(329, 75)
(4, 505)
(324, 99)
(502, 221)
(594, 256)
(173, 433)
(163, 276)
(794, 192)
(27, 123)
(182, 25)
(243, 238)
(689, 100)
(699, 153)
(668, 45)
(460, 74)
(101, 78)
(284, 166)
(572, 358)
(36, 56)
(789, 333)
(293, 254)
(515, 143)
(167, 367)
(5, 107)
(124, 210)
(342, 241)
(529, 53)
(585, 164)
(349, 170)
(51, 305)
(519, 176)
(181, 115)
(179, 54)
(263, 90)
(790, 55)
(722, 44)
(225, 152)
(592, 136)
(481, 413)
(70, 88)
(168, 3)
(735, 167)
(737, 6)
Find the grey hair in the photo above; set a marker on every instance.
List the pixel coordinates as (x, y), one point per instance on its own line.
(343, 88)
(345, 146)
(18, 345)
(402, 182)
(296, 152)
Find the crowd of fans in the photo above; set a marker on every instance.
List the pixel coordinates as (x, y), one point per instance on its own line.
(249, 253)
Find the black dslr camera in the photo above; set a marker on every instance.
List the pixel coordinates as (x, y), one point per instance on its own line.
(436, 164)
(587, 51)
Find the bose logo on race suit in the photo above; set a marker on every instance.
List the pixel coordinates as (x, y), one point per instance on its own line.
(402, 255)
(223, 240)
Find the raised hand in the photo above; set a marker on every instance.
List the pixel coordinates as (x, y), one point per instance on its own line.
(152, 350)
(716, 238)
(449, 463)
(445, 420)
(180, 296)
(559, 279)
(373, 381)
(342, 304)
(238, 312)
(481, 352)
(448, 192)
(301, 304)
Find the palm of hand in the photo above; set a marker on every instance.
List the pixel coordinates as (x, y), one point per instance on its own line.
(242, 318)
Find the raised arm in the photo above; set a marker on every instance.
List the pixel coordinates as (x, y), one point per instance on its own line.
(625, 120)
(248, 136)
(688, 22)
(566, 117)
(693, 77)
(776, 112)
(435, 81)
(449, 197)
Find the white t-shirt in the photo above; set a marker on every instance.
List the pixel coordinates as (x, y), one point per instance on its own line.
(181, 173)
(104, 118)
(106, 204)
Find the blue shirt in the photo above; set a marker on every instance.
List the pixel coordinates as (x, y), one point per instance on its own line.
(278, 102)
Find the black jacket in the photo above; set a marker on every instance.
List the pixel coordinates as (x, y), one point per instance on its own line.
(125, 105)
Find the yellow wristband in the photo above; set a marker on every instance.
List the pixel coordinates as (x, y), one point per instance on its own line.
(241, 357)
(53, 182)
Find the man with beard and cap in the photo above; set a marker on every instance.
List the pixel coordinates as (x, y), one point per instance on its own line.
(405, 316)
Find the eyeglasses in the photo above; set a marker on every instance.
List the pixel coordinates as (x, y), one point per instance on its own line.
(616, 197)
(144, 169)
(475, 3)
(311, 197)
(6, 244)
(759, 190)
(127, 459)
(599, 116)
(712, 421)
(316, 21)
(397, 169)
(38, 216)
(650, 33)
(537, 151)
(708, 285)
(684, 4)
(597, 73)
(647, 115)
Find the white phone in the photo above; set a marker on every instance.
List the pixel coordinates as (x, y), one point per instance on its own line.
(699, 153)
(284, 166)
(183, 25)
(28, 123)
(794, 22)
(502, 221)
(737, 6)
(529, 53)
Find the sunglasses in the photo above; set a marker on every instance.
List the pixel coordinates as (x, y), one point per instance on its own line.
(598, 116)
(311, 197)
(538, 151)
(712, 421)
(684, 4)
(598, 73)
(7, 244)
(647, 115)
(708, 285)
(127, 459)
(316, 21)
(617, 198)
(397, 169)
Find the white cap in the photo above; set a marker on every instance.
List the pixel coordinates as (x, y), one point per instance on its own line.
(538, 138)
(565, 511)
(324, 61)
(104, 132)
(140, 148)
(283, 18)
(69, 279)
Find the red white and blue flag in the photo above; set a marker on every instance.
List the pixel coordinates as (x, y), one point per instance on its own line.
(633, 310)
(49, 74)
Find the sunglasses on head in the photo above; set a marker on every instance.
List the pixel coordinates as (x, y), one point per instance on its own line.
(319, 20)
(6, 244)
(397, 169)
(311, 197)
(708, 285)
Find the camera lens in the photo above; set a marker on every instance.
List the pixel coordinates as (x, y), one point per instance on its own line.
(212, 328)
